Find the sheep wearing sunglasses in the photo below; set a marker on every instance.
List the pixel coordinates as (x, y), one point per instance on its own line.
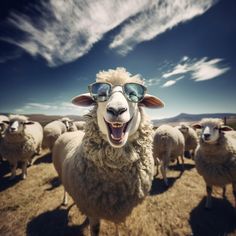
(108, 169)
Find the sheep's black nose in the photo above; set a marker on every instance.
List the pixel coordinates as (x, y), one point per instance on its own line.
(12, 129)
(116, 111)
(207, 136)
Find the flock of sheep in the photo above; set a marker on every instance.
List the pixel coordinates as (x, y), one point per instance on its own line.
(107, 163)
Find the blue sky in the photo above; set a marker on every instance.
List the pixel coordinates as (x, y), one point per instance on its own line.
(184, 49)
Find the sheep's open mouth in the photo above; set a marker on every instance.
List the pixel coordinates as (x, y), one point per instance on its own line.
(117, 130)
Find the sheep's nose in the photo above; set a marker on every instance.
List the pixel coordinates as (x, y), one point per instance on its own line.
(12, 129)
(116, 111)
(207, 136)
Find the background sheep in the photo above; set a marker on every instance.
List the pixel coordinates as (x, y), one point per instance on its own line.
(191, 139)
(110, 170)
(79, 125)
(22, 140)
(168, 145)
(215, 157)
(3, 127)
(54, 129)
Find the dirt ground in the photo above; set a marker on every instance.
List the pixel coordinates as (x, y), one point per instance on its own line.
(32, 206)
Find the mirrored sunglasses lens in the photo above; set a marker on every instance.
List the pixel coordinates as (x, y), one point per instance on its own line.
(100, 91)
(134, 92)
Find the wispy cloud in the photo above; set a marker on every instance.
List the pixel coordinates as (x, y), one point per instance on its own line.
(152, 82)
(198, 70)
(13, 56)
(62, 108)
(158, 18)
(168, 83)
(66, 30)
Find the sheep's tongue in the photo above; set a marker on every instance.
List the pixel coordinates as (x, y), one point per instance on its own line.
(117, 133)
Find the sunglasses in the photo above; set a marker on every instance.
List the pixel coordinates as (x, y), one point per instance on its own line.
(101, 92)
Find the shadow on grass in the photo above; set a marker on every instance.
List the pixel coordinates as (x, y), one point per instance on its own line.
(4, 169)
(54, 182)
(159, 187)
(220, 220)
(186, 166)
(54, 222)
(6, 182)
(47, 158)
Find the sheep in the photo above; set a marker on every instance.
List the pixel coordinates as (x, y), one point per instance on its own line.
(215, 156)
(3, 127)
(168, 145)
(191, 139)
(3, 124)
(22, 140)
(108, 169)
(54, 129)
(79, 125)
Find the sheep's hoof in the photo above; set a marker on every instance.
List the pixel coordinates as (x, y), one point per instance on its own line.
(23, 176)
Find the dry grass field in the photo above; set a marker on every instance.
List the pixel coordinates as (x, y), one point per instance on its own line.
(32, 206)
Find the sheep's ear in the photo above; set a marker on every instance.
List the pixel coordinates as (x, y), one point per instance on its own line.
(6, 122)
(83, 100)
(150, 101)
(29, 123)
(196, 126)
(225, 128)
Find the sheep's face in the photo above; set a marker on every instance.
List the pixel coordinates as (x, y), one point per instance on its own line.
(17, 126)
(118, 118)
(68, 124)
(184, 129)
(118, 96)
(211, 130)
(2, 127)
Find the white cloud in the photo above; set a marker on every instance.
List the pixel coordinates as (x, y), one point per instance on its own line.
(67, 30)
(14, 55)
(168, 83)
(160, 17)
(61, 108)
(152, 82)
(198, 70)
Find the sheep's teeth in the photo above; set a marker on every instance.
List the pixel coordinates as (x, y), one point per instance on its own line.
(117, 125)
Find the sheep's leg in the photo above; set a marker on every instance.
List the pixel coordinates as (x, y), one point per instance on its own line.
(182, 160)
(94, 226)
(224, 192)
(234, 192)
(13, 170)
(117, 230)
(163, 172)
(24, 170)
(157, 163)
(65, 198)
(38, 150)
(208, 200)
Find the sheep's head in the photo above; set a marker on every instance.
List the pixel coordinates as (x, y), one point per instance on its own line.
(211, 129)
(17, 124)
(118, 96)
(68, 123)
(3, 123)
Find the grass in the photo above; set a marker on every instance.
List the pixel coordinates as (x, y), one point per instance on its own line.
(32, 207)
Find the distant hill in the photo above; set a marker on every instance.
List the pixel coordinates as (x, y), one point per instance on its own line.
(190, 118)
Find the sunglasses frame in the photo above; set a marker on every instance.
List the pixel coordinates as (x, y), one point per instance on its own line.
(122, 86)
